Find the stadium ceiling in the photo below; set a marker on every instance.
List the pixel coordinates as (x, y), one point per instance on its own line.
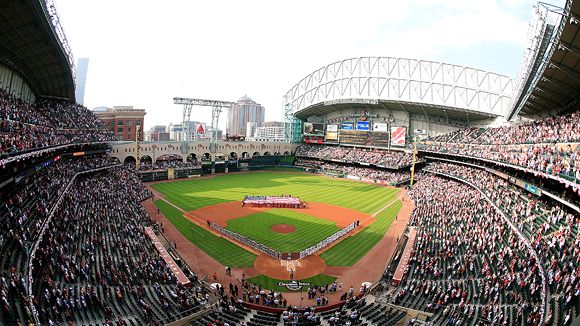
(418, 86)
(452, 115)
(33, 44)
(549, 78)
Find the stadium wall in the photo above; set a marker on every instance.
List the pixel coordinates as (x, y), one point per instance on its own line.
(125, 149)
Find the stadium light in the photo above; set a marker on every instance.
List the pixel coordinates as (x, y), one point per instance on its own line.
(188, 104)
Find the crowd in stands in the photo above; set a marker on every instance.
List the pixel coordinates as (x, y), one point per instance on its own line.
(164, 165)
(22, 212)
(380, 157)
(355, 311)
(97, 263)
(94, 249)
(558, 160)
(369, 173)
(467, 265)
(552, 229)
(25, 126)
(366, 173)
(563, 129)
(546, 145)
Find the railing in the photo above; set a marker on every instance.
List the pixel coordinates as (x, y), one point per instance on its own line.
(502, 163)
(24, 155)
(51, 14)
(544, 192)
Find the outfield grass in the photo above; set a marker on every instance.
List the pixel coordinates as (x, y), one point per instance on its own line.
(309, 230)
(269, 283)
(220, 249)
(196, 193)
(351, 249)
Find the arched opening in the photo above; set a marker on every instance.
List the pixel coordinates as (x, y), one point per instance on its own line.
(256, 154)
(206, 157)
(145, 159)
(267, 154)
(245, 156)
(276, 153)
(130, 160)
(233, 156)
(220, 157)
(169, 158)
(286, 153)
(192, 158)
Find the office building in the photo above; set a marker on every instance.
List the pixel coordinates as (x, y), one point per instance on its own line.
(245, 110)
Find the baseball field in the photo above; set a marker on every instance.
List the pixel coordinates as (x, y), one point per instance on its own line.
(331, 205)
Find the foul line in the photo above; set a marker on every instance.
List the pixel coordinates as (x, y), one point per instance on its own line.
(160, 196)
(381, 209)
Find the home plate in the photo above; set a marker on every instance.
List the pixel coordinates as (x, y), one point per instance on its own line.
(290, 264)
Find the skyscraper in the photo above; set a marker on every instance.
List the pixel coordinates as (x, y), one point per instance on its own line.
(82, 69)
(245, 110)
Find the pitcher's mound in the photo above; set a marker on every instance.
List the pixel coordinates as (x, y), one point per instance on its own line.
(283, 228)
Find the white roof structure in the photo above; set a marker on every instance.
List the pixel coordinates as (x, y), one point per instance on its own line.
(428, 84)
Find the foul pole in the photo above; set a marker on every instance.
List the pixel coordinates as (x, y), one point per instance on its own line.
(414, 159)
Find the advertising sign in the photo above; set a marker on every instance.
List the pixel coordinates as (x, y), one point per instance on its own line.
(377, 126)
(331, 132)
(398, 135)
(362, 125)
(347, 126)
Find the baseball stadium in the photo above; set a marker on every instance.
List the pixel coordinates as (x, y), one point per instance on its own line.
(405, 192)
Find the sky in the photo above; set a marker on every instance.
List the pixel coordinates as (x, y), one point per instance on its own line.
(143, 53)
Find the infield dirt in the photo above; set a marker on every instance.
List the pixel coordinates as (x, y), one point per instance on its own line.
(369, 268)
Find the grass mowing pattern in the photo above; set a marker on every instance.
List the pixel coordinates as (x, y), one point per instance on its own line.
(351, 249)
(269, 283)
(309, 230)
(220, 249)
(196, 193)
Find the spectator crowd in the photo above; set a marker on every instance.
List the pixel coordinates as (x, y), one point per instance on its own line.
(94, 263)
(467, 263)
(164, 165)
(98, 263)
(362, 172)
(547, 145)
(375, 156)
(25, 126)
(551, 228)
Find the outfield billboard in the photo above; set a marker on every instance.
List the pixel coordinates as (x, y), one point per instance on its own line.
(331, 132)
(347, 126)
(378, 126)
(398, 136)
(362, 125)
